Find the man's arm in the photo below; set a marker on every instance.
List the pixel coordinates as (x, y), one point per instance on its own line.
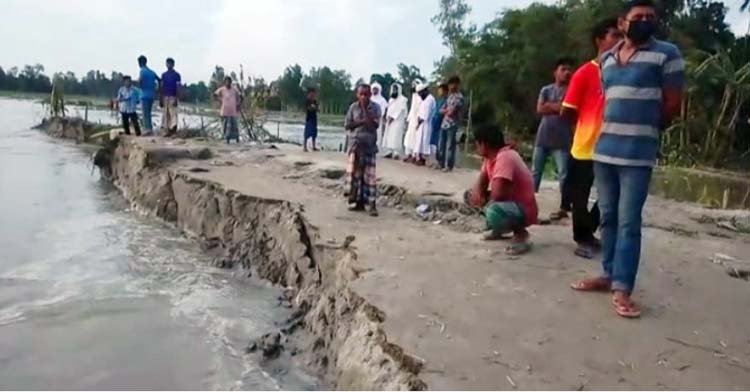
(349, 123)
(500, 189)
(479, 190)
(544, 106)
(673, 73)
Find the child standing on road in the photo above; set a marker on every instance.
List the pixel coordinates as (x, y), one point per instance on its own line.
(127, 98)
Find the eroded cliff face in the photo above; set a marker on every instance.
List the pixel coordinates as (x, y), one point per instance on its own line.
(273, 240)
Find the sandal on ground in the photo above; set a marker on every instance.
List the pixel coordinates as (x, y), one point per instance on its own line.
(356, 207)
(557, 215)
(585, 251)
(626, 310)
(374, 212)
(493, 236)
(518, 248)
(593, 285)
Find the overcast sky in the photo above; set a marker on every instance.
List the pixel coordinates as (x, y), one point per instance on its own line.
(362, 37)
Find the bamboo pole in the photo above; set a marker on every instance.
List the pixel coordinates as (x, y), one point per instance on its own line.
(468, 122)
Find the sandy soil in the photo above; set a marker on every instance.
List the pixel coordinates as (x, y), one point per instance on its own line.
(484, 320)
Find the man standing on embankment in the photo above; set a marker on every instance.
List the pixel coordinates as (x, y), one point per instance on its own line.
(171, 83)
(642, 79)
(148, 81)
(584, 106)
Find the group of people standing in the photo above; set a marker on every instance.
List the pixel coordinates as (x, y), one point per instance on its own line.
(426, 132)
(417, 132)
(602, 126)
(166, 88)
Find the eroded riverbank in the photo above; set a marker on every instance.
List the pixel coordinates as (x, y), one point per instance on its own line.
(95, 296)
(419, 300)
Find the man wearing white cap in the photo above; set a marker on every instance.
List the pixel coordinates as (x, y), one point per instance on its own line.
(410, 140)
(422, 148)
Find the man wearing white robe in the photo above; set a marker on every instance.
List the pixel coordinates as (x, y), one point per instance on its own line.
(427, 108)
(410, 140)
(393, 140)
(378, 98)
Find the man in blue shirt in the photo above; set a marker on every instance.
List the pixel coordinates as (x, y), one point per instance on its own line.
(170, 90)
(127, 98)
(148, 81)
(642, 80)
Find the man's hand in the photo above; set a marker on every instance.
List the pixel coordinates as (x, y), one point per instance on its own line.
(476, 199)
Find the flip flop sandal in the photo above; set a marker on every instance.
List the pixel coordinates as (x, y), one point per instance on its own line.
(558, 215)
(592, 285)
(584, 252)
(518, 248)
(492, 236)
(626, 310)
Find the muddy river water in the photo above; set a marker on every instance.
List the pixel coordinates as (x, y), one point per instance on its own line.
(93, 295)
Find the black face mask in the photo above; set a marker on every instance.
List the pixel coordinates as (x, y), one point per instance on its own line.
(394, 95)
(640, 31)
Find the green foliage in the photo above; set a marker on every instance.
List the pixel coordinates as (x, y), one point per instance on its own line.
(291, 92)
(508, 60)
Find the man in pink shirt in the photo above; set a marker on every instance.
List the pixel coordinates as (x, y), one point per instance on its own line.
(505, 189)
(231, 99)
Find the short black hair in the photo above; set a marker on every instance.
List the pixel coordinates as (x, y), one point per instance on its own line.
(126, 77)
(629, 5)
(444, 86)
(311, 90)
(363, 85)
(142, 60)
(229, 78)
(170, 60)
(600, 30)
(563, 61)
(489, 134)
(454, 80)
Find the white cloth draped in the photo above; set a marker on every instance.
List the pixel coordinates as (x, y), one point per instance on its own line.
(382, 104)
(393, 141)
(424, 131)
(410, 140)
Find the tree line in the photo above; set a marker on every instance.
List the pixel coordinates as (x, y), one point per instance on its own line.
(287, 92)
(506, 61)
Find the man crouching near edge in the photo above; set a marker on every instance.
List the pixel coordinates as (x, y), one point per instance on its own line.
(504, 190)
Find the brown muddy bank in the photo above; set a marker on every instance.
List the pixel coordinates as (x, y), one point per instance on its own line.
(333, 330)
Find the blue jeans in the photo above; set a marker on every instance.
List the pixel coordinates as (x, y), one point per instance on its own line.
(622, 193)
(146, 105)
(446, 153)
(561, 157)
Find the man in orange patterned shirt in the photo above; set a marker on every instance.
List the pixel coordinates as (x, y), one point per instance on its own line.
(584, 105)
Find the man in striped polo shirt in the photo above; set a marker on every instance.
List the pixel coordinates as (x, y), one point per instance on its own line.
(642, 80)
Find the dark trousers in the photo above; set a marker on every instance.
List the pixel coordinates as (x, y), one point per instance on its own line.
(127, 119)
(578, 187)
